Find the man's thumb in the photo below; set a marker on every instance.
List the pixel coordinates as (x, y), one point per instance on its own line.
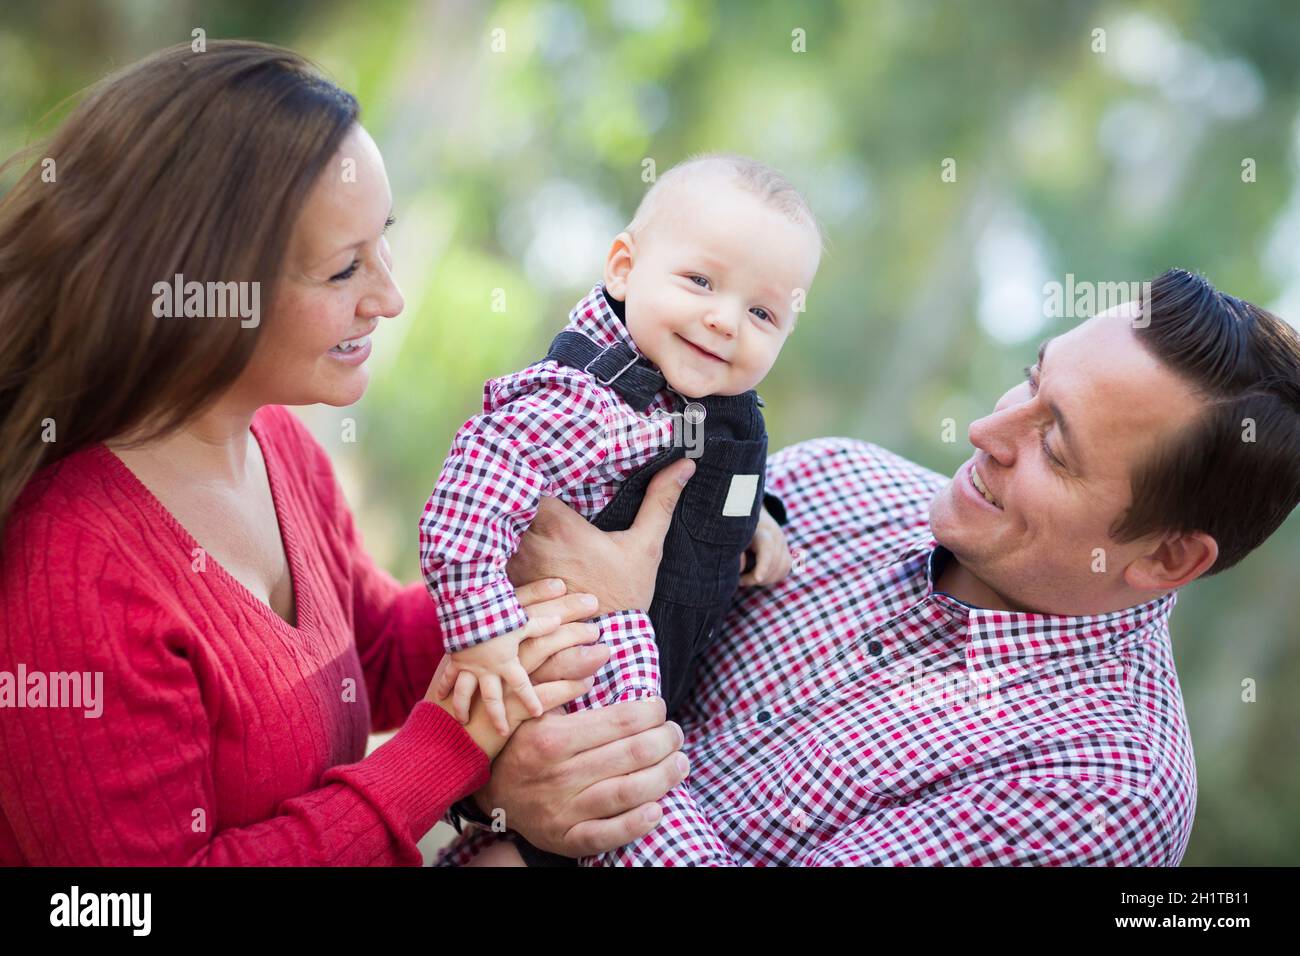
(661, 496)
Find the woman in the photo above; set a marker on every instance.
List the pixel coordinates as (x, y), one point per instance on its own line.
(173, 532)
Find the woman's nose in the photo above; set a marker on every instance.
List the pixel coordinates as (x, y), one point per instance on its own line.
(385, 301)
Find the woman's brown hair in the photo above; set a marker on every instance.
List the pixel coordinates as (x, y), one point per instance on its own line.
(189, 163)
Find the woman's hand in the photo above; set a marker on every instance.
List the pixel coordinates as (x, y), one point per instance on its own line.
(542, 600)
(560, 543)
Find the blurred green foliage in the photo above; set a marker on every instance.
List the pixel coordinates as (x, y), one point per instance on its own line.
(512, 168)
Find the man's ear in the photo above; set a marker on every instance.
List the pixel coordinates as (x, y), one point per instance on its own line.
(618, 264)
(1174, 561)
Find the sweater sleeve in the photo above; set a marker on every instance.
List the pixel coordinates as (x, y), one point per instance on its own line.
(398, 637)
(133, 784)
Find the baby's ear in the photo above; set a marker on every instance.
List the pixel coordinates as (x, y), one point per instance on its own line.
(618, 264)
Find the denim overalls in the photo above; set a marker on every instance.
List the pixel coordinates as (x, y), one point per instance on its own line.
(711, 527)
(715, 519)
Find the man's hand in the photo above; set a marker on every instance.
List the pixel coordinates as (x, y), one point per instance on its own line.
(560, 543)
(586, 783)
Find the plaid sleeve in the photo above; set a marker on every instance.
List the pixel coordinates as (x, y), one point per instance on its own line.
(466, 846)
(541, 432)
(1035, 821)
(684, 835)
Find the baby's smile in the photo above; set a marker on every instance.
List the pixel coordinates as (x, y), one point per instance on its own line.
(702, 351)
(709, 280)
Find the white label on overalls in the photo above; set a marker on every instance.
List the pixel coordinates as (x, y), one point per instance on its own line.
(740, 496)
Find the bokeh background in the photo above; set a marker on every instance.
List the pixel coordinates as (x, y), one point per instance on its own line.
(513, 168)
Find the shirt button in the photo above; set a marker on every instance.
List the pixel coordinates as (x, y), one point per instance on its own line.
(764, 716)
(874, 648)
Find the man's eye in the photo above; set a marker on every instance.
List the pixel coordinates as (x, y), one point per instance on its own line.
(1032, 378)
(1047, 450)
(700, 281)
(346, 273)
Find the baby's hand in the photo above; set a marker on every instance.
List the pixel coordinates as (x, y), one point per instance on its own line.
(486, 666)
(772, 561)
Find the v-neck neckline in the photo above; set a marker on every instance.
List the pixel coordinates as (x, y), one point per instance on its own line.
(303, 609)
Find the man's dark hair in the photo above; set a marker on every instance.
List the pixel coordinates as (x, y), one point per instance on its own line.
(1234, 473)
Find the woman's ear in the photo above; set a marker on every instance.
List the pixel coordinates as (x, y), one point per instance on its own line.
(618, 264)
(1175, 560)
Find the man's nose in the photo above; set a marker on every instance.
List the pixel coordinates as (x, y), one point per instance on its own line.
(996, 435)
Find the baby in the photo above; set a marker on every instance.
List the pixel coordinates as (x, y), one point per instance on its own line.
(699, 295)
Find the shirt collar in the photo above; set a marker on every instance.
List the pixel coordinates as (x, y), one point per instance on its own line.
(599, 316)
(1002, 643)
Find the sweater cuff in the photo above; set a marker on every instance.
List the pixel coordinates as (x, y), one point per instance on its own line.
(414, 777)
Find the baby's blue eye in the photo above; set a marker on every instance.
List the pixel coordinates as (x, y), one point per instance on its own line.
(700, 281)
(762, 314)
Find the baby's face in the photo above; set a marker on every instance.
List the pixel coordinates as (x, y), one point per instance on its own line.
(710, 286)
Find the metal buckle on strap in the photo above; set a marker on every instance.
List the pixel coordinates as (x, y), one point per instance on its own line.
(613, 378)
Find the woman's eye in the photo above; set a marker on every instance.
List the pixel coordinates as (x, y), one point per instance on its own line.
(346, 273)
(700, 281)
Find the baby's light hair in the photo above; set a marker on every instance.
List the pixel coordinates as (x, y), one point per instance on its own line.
(762, 180)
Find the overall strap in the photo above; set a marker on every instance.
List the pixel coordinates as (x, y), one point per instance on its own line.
(632, 376)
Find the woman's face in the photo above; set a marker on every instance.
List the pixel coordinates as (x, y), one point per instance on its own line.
(336, 284)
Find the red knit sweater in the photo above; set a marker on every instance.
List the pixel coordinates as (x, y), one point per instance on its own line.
(227, 736)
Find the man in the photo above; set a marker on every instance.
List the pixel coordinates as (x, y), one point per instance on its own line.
(979, 671)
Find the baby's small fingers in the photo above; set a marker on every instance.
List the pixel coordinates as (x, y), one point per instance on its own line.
(447, 673)
(766, 565)
(784, 565)
(747, 580)
(759, 549)
(490, 688)
(522, 688)
(466, 683)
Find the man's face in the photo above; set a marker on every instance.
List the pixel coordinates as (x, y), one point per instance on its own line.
(1056, 456)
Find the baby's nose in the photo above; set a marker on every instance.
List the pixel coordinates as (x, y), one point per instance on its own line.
(721, 323)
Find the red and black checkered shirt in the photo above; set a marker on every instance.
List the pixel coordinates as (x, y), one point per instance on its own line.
(853, 715)
(548, 430)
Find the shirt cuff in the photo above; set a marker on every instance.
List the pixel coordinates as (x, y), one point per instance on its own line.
(473, 617)
(775, 507)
